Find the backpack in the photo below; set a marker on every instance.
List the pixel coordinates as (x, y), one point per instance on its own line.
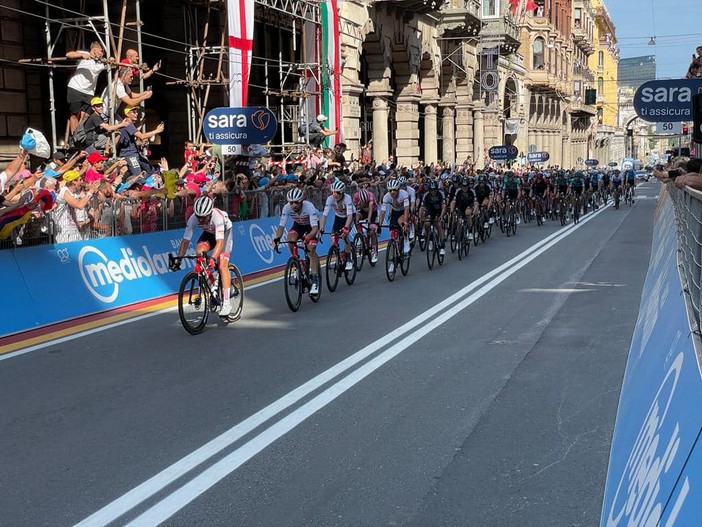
(80, 136)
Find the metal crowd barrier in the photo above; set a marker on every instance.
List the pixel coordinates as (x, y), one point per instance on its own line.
(166, 214)
(687, 204)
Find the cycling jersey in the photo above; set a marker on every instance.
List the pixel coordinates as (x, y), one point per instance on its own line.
(412, 194)
(218, 225)
(464, 200)
(342, 208)
(308, 215)
(540, 187)
(510, 184)
(433, 202)
(482, 192)
(577, 185)
(397, 204)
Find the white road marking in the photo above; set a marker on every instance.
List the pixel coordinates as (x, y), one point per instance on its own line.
(415, 329)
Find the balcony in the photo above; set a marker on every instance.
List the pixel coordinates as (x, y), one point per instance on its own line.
(579, 107)
(582, 40)
(460, 18)
(503, 31)
(541, 79)
(418, 7)
(603, 20)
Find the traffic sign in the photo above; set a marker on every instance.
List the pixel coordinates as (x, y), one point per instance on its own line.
(240, 126)
(669, 128)
(591, 162)
(503, 152)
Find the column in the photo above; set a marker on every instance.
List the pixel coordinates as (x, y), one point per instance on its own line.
(464, 134)
(556, 147)
(531, 138)
(478, 138)
(380, 130)
(430, 154)
(407, 118)
(448, 134)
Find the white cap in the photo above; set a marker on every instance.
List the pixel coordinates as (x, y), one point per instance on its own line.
(321, 117)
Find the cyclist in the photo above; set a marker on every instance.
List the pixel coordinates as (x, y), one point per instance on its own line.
(367, 209)
(217, 235)
(577, 185)
(483, 195)
(434, 205)
(540, 192)
(630, 181)
(616, 181)
(465, 203)
(397, 200)
(342, 204)
(306, 226)
(511, 192)
(413, 204)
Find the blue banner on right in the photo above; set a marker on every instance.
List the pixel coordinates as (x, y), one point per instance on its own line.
(655, 466)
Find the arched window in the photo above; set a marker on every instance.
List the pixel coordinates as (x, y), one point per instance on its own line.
(600, 59)
(600, 86)
(538, 58)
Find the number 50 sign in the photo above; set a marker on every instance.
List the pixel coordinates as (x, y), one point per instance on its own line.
(668, 128)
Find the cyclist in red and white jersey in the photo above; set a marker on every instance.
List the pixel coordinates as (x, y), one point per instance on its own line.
(305, 225)
(217, 236)
(367, 209)
(342, 205)
(396, 201)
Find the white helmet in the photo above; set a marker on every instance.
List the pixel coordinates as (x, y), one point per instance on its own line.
(338, 186)
(393, 184)
(295, 194)
(322, 117)
(203, 206)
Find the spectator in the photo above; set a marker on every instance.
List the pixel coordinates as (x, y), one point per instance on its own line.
(81, 85)
(68, 202)
(690, 176)
(316, 159)
(97, 127)
(315, 131)
(15, 166)
(124, 93)
(96, 167)
(104, 210)
(147, 211)
(127, 146)
(367, 153)
(131, 58)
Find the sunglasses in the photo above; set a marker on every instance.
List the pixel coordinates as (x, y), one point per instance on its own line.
(295, 202)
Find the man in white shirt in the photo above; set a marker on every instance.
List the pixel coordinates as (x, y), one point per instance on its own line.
(124, 93)
(81, 85)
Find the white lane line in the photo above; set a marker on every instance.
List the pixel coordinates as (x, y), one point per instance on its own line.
(160, 481)
(171, 504)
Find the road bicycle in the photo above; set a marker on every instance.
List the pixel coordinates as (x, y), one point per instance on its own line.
(200, 293)
(464, 235)
(364, 246)
(433, 246)
(628, 196)
(577, 207)
(510, 219)
(617, 196)
(336, 263)
(395, 256)
(297, 279)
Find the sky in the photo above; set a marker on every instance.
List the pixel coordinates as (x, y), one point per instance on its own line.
(676, 24)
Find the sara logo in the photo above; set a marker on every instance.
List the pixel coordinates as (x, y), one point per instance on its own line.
(260, 119)
(262, 242)
(103, 276)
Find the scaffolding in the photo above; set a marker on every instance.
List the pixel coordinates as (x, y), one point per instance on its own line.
(62, 25)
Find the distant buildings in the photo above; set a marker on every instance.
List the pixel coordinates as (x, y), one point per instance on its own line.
(634, 71)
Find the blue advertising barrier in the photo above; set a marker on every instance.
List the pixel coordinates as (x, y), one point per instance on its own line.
(54, 283)
(653, 476)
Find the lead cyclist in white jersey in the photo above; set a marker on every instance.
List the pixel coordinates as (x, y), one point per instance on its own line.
(217, 236)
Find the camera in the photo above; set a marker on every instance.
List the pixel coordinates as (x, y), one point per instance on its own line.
(672, 174)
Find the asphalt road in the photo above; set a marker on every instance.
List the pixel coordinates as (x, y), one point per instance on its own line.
(480, 393)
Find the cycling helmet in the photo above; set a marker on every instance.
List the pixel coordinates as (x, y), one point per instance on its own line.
(362, 196)
(465, 181)
(433, 185)
(203, 206)
(454, 178)
(295, 194)
(338, 186)
(402, 180)
(393, 184)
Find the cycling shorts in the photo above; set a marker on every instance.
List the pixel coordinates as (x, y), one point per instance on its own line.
(512, 194)
(339, 223)
(363, 215)
(302, 231)
(208, 238)
(395, 215)
(578, 190)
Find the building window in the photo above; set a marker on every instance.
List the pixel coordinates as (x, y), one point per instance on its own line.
(578, 18)
(576, 89)
(538, 58)
(599, 115)
(600, 86)
(600, 59)
(491, 8)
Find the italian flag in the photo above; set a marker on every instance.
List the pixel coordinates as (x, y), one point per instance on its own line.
(331, 68)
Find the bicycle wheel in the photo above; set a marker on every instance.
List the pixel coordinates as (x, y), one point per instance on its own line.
(391, 260)
(334, 268)
(405, 262)
(460, 236)
(236, 293)
(359, 245)
(193, 303)
(453, 236)
(576, 210)
(431, 249)
(350, 276)
(439, 256)
(422, 238)
(562, 213)
(372, 249)
(292, 282)
(513, 221)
